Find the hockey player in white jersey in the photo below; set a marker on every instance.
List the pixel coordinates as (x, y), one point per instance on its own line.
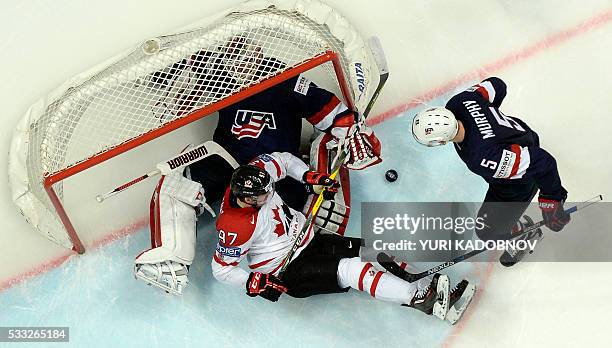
(255, 224)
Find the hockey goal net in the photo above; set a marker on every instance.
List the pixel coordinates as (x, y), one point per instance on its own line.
(168, 82)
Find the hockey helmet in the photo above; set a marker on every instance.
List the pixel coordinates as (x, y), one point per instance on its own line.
(241, 57)
(250, 181)
(435, 126)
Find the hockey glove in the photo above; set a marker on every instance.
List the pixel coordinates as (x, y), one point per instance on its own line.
(265, 285)
(358, 140)
(553, 213)
(363, 148)
(317, 182)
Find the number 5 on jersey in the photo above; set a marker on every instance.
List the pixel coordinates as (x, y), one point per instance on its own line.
(488, 164)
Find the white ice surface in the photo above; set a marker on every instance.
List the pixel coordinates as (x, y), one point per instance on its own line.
(563, 91)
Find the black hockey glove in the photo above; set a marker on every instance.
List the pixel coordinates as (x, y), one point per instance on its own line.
(553, 213)
(265, 285)
(312, 179)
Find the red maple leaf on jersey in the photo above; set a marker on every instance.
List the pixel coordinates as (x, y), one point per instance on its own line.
(280, 227)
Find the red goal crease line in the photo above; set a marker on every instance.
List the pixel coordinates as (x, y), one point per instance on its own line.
(513, 58)
(509, 60)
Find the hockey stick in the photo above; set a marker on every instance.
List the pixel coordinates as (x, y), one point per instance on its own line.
(177, 162)
(383, 69)
(387, 262)
(307, 225)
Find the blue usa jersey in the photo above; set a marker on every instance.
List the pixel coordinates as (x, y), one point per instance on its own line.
(501, 148)
(271, 121)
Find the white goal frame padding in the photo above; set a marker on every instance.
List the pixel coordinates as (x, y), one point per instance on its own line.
(42, 151)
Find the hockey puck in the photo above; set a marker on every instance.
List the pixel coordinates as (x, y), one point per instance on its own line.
(391, 175)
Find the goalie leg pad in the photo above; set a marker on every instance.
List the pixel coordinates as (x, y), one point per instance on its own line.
(177, 186)
(173, 235)
(173, 223)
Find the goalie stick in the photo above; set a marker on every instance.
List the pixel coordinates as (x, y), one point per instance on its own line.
(387, 261)
(177, 162)
(383, 69)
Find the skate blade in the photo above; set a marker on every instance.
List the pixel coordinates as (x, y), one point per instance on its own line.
(440, 308)
(539, 239)
(455, 314)
(164, 287)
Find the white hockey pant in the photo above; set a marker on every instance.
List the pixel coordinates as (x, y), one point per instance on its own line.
(370, 277)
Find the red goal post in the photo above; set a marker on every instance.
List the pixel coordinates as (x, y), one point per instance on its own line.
(169, 82)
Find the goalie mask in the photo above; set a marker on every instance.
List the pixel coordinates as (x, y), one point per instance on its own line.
(435, 126)
(252, 184)
(241, 58)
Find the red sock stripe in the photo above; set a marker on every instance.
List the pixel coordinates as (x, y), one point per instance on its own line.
(375, 284)
(365, 270)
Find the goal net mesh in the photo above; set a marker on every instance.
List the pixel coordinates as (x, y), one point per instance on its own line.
(169, 77)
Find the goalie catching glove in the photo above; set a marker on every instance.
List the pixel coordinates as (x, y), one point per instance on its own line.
(265, 285)
(320, 182)
(358, 141)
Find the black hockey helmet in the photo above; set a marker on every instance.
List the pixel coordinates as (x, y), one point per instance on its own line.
(249, 180)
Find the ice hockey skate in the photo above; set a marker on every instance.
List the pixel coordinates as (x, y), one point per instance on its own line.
(511, 257)
(434, 298)
(459, 300)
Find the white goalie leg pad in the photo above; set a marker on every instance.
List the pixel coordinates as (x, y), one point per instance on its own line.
(332, 216)
(179, 187)
(363, 276)
(173, 234)
(173, 221)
